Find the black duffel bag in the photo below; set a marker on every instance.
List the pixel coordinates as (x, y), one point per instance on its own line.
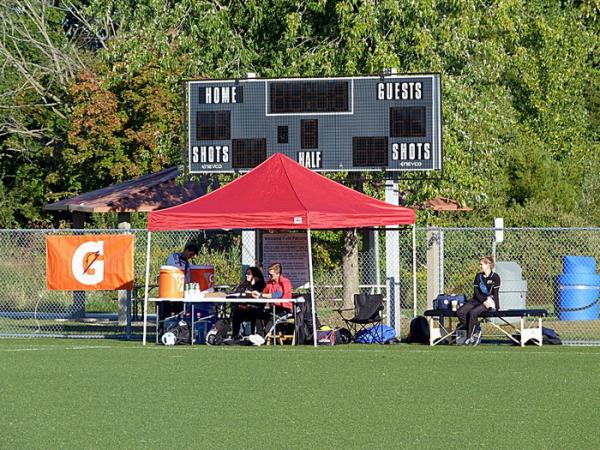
(444, 301)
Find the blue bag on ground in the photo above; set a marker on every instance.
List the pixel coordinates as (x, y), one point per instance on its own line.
(378, 334)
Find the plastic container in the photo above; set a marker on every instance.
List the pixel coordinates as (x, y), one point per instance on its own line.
(170, 282)
(579, 264)
(509, 271)
(204, 275)
(200, 330)
(513, 289)
(204, 319)
(578, 288)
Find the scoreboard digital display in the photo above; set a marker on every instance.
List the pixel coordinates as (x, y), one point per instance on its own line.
(387, 122)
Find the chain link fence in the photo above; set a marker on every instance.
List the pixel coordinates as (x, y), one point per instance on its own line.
(530, 263)
(28, 309)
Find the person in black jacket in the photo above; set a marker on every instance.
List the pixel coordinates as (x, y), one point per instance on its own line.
(485, 296)
(255, 281)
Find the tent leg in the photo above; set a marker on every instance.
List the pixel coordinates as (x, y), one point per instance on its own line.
(312, 288)
(146, 287)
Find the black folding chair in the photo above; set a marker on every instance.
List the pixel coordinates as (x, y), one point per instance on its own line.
(367, 309)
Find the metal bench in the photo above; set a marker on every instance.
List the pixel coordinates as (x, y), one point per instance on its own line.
(529, 326)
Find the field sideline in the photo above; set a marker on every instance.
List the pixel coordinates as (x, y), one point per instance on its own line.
(109, 394)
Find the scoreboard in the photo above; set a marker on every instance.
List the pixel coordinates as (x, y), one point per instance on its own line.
(387, 122)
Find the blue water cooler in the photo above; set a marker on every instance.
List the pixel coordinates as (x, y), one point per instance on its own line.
(578, 288)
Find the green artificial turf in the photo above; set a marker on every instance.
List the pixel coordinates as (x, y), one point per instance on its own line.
(111, 394)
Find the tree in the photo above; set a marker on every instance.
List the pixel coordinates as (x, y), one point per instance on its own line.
(95, 87)
(37, 65)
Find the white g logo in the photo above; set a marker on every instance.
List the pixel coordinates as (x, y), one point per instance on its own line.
(86, 264)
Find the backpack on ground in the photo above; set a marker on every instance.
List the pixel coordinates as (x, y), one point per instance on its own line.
(377, 334)
(343, 336)
(178, 334)
(326, 337)
(304, 325)
(550, 337)
(419, 331)
(334, 337)
(218, 332)
(244, 341)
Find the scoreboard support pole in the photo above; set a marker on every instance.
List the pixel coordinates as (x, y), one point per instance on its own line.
(392, 260)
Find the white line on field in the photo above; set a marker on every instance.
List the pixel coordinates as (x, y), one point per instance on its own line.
(321, 351)
(51, 347)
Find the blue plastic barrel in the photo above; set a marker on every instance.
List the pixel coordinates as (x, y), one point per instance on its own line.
(578, 288)
(579, 264)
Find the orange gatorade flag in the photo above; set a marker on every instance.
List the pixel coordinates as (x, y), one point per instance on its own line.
(89, 262)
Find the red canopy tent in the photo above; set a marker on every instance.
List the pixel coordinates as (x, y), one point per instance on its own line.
(279, 194)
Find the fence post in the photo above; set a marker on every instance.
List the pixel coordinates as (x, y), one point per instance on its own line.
(392, 260)
(433, 265)
(123, 296)
(77, 310)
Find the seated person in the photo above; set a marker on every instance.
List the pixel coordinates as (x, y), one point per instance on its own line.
(242, 312)
(278, 287)
(485, 296)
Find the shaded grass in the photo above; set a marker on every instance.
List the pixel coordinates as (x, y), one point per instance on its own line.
(91, 394)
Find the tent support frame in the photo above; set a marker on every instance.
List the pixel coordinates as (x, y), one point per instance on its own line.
(311, 275)
(312, 287)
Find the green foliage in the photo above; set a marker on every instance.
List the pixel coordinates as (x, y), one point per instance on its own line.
(520, 85)
(7, 209)
(111, 220)
(37, 64)
(122, 128)
(516, 128)
(328, 249)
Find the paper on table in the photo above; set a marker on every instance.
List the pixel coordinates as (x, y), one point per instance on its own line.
(214, 295)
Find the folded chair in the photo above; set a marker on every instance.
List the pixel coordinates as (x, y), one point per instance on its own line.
(367, 309)
(283, 329)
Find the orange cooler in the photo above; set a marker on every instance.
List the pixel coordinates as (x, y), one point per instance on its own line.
(203, 275)
(170, 282)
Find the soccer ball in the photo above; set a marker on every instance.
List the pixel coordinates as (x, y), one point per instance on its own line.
(168, 338)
